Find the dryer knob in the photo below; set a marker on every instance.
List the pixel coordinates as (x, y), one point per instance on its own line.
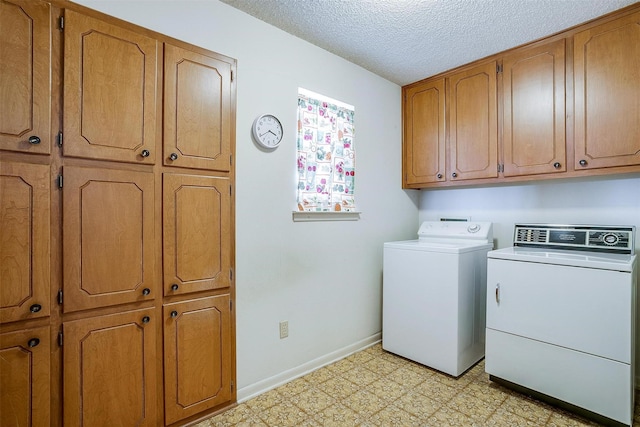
(473, 228)
(610, 239)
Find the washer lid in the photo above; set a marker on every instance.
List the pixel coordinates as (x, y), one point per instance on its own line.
(603, 261)
(453, 247)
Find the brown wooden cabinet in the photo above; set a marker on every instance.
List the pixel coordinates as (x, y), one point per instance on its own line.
(534, 110)
(84, 221)
(24, 241)
(197, 110)
(25, 77)
(424, 133)
(197, 356)
(109, 368)
(25, 378)
(110, 91)
(108, 242)
(473, 123)
(564, 106)
(606, 76)
(196, 232)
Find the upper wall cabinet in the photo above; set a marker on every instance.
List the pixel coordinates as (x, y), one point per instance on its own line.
(197, 110)
(424, 133)
(110, 91)
(473, 123)
(534, 113)
(607, 93)
(25, 78)
(565, 106)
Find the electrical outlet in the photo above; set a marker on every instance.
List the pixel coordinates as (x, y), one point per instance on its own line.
(284, 329)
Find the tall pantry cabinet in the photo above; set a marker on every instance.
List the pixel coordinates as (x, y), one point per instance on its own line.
(117, 237)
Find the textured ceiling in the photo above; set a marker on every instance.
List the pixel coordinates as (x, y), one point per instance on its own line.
(408, 40)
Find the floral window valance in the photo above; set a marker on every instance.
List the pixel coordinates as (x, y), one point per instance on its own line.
(326, 154)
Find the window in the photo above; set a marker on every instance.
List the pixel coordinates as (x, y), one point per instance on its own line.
(326, 154)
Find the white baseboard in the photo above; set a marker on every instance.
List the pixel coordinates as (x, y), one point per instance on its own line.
(253, 390)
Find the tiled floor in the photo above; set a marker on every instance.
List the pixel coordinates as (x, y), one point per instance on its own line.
(376, 388)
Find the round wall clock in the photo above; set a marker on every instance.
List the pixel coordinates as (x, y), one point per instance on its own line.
(267, 131)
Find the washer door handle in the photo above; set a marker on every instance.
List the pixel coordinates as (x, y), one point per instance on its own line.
(498, 293)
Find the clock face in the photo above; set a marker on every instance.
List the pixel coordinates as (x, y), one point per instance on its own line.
(267, 131)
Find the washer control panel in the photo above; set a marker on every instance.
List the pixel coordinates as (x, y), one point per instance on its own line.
(456, 230)
(595, 238)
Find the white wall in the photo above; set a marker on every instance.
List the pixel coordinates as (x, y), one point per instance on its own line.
(609, 201)
(606, 201)
(323, 277)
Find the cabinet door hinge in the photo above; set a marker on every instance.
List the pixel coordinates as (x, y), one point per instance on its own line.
(61, 20)
(60, 139)
(231, 304)
(231, 159)
(498, 68)
(60, 339)
(59, 181)
(60, 297)
(232, 386)
(231, 75)
(230, 190)
(231, 274)
(500, 167)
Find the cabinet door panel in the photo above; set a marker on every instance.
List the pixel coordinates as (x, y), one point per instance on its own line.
(607, 90)
(197, 233)
(110, 85)
(424, 144)
(473, 129)
(109, 370)
(25, 78)
(24, 241)
(197, 350)
(197, 105)
(534, 113)
(108, 243)
(25, 378)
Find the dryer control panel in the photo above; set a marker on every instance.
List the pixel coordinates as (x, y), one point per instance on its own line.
(594, 238)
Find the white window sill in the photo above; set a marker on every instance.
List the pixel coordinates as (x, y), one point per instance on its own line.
(304, 216)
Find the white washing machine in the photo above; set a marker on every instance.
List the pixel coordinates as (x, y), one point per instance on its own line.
(561, 310)
(434, 295)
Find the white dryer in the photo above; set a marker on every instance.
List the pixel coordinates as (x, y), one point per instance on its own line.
(434, 295)
(561, 310)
